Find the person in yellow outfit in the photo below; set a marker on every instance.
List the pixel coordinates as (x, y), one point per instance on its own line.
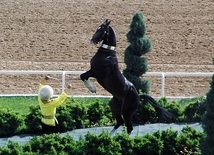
(48, 106)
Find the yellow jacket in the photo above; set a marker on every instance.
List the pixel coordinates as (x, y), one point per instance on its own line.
(49, 109)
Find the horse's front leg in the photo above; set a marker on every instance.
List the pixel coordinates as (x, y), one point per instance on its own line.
(85, 78)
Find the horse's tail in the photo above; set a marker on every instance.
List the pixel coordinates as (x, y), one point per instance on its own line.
(162, 113)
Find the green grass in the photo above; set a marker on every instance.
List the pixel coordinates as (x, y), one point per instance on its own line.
(21, 104)
(184, 102)
(18, 104)
(90, 100)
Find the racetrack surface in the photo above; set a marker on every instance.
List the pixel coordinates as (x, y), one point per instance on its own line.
(54, 35)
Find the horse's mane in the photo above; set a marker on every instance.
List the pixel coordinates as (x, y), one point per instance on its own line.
(112, 30)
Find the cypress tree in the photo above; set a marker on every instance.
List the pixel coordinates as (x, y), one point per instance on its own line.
(207, 147)
(135, 64)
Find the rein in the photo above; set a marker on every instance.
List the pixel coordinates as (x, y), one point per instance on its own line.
(61, 79)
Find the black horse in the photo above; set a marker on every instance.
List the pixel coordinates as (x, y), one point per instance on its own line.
(104, 67)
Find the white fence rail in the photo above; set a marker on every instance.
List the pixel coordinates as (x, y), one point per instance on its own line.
(63, 73)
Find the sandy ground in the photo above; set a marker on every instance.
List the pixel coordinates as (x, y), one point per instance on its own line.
(54, 35)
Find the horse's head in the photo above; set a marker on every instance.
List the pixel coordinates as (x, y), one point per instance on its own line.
(101, 33)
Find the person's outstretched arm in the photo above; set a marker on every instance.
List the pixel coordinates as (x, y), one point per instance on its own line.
(45, 80)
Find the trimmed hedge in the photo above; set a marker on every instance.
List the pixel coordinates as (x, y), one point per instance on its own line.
(9, 122)
(159, 143)
(74, 115)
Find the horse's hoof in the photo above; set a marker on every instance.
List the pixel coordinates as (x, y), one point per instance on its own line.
(89, 85)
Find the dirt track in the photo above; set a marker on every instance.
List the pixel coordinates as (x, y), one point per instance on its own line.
(54, 35)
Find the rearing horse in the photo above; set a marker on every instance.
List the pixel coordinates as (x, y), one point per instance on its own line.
(104, 67)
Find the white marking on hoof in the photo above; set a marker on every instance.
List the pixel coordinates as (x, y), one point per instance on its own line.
(89, 85)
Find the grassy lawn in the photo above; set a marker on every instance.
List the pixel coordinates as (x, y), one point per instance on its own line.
(18, 104)
(184, 102)
(21, 104)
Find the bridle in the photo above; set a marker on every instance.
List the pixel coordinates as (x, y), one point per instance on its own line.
(106, 32)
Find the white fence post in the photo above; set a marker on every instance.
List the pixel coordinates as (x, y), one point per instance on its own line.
(63, 81)
(163, 84)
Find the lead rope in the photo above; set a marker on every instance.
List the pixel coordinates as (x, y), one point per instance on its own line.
(61, 79)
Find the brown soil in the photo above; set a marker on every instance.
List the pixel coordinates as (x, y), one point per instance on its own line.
(54, 35)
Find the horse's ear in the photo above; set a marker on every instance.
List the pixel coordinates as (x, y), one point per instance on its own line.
(107, 22)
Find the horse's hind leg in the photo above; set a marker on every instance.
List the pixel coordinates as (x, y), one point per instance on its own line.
(130, 105)
(115, 105)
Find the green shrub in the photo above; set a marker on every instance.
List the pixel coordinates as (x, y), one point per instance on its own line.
(69, 144)
(65, 119)
(136, 65)
(145, 113)
(169, 138)
(71, 116)
(27, 148)
(195, 111)
(172, 107)
(33, 120)
(107, 111)
(190, 140)
(125, 142)
(11, 149)
(101, 144)
(161, 143)
(95, 111)
(147, 145)
(51, 143)
(76, 114)
(9, 122)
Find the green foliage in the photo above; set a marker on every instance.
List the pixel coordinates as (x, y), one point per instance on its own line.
(18, 104)
(145, 113)
(147, 145)
(141, 85)
(9, 122)
(101, 144)
(51, 143)
(95, 111)
(160, 143)
(195, 111)
(107, 111)
(33, 120)
(208, 122)
(137, 28)
(173, 107)
(190, 140)
(71, 115)
(76, 113)
(169, 138)
(125, 142)
(64, 117)
(137, 65)
(69, 144)
(12, 148)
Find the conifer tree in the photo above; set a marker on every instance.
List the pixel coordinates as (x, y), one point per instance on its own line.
(207, 147)
(135, 64)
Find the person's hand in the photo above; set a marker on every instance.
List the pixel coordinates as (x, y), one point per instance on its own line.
(69, 86)
(68, 89)
(47, 77)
